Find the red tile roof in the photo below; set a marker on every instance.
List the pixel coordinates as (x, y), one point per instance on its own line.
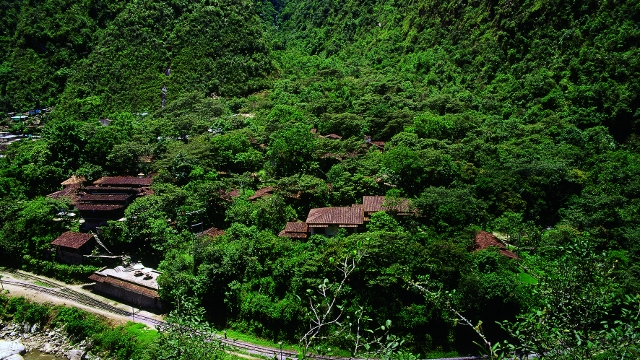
(335, 216)
(261, 193)
(123, 181)
(293, 235)
(70, 192)
(484, 240)
(213, 232)
(377, 203)
(297, 226)
(99, 207)
(72, 240)
(105, 197)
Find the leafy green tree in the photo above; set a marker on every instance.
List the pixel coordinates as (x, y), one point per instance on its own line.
(291, 150)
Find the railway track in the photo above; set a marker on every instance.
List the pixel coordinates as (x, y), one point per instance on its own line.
(60, 291)
(63, 292)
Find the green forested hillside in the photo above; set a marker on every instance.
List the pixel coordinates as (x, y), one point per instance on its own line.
(513, 117)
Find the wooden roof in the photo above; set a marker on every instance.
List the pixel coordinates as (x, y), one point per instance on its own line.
(333, 136)
(485, 240)
(72, 240)
(123, 181)
(261, 193)
(335, 216)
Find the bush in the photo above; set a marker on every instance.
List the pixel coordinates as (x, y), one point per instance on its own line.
(77, 323)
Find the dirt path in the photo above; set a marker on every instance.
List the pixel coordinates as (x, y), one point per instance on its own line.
(45, 290)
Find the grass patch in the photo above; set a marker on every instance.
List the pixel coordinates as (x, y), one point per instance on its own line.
(40, 283)
(142, 332)
(441, 354)
(234, 335)
(527, 279)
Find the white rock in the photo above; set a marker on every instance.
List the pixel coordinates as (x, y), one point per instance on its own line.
(13, 357)
(47, 348)
(9, 348)
(75, 354)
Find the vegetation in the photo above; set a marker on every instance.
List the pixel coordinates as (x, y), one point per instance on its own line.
(519, 118)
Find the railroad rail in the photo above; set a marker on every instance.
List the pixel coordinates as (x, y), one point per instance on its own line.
(63, 292)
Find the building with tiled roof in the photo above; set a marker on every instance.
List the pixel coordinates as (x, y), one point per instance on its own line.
(135, 285)
(295, 230)
(124, 181)
(373, 204)
(484, 240)
(71, 189)
(260, 193)
(108, 198)
(329, 220)
(212, 232)
(71, 246)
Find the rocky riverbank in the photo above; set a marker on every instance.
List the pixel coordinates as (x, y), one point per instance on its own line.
(49, 341)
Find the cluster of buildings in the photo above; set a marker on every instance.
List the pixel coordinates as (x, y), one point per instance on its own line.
(329, 220)
(106, 199)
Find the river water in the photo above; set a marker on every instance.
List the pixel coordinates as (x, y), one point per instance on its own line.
(37, 355)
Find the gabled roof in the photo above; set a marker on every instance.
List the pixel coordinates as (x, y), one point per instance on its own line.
(213, 232)
(296, 230)
(123, 181)
(377, 203)
(70, 192)
(72, 240)
(485, 240)
(261, 193)
(297, 226)
(99, 207)
(105, 197)
(335, 216)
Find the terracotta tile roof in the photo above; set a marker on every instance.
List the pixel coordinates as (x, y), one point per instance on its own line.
(125, 285)
(99, 207)
(484, 240)
(228, 196)
(335, 216)
(123, 181)
(105, 197)
(112, 190)
(297, 226)
(70, 192)
(213, 232)
(261, 193)
(376, 203)
(293, 235)
(72, 240)
(74, 180)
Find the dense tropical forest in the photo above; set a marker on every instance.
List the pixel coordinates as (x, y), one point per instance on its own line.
(518, 118)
